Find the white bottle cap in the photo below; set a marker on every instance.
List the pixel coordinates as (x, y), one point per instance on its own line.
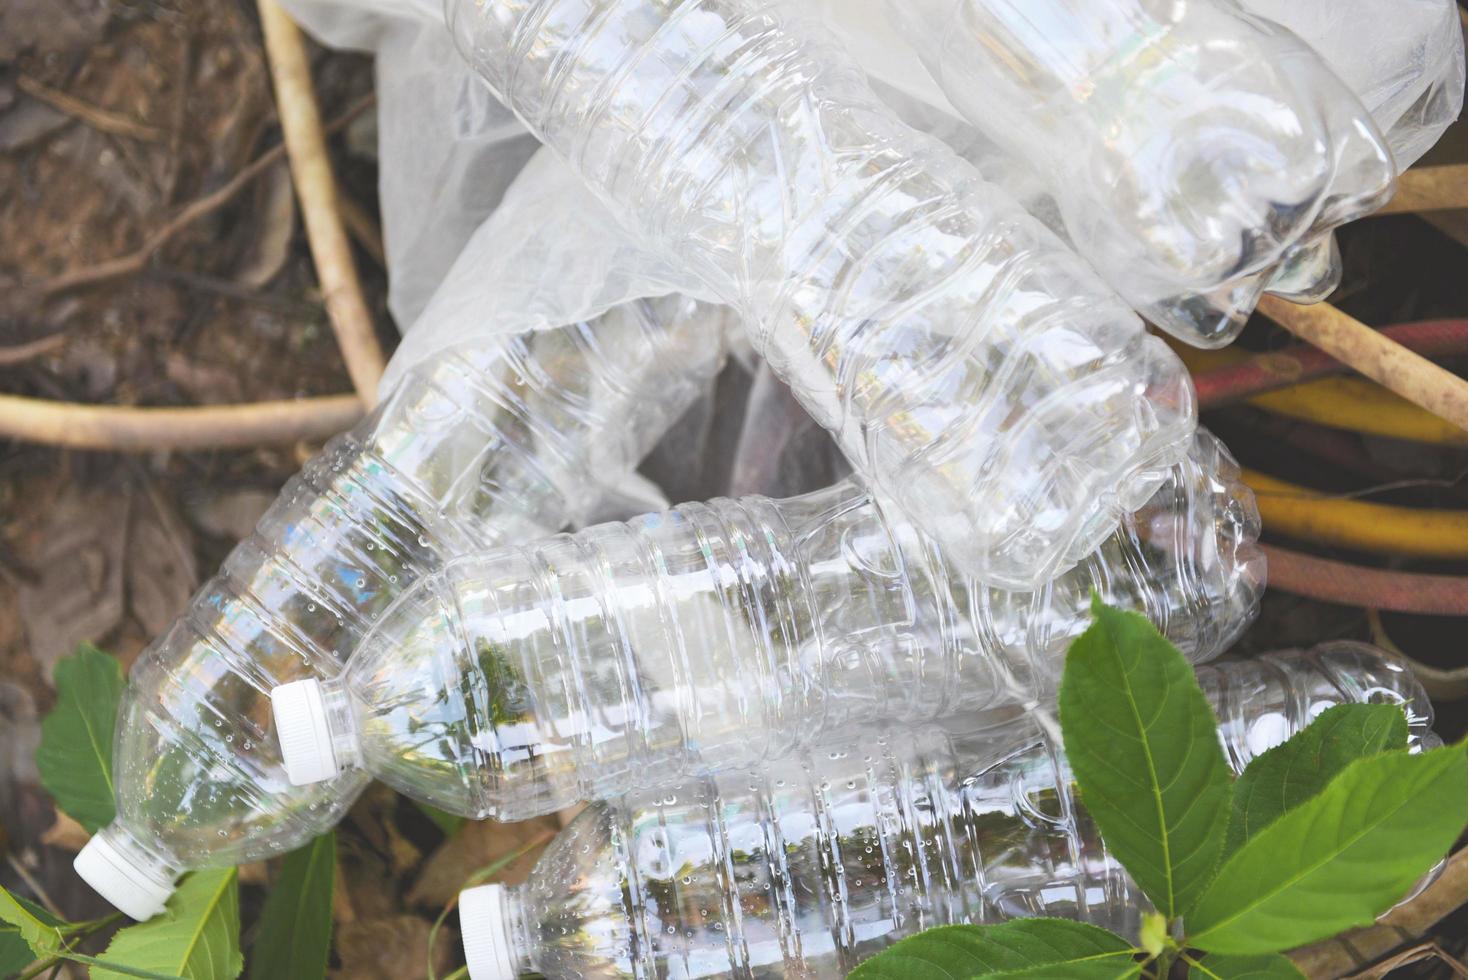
(486, 933)
(300, 726)
(120, 879)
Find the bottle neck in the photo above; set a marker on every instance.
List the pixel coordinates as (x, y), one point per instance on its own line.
(341, 725)
(517, 928)
(149, 862)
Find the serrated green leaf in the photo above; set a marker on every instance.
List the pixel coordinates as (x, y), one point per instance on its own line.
(197, 938)
(27, 932)
(1289, 774)
(295, 926)
(1338, 860)
(1218, 966)
(15, 953)
(1056, 949)
(75, 755)
(1143, 745)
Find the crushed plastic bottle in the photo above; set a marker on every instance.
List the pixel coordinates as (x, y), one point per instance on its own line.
(477, 446)
(715, 635)
(1198, 154)
(807, 866)
(973, 369)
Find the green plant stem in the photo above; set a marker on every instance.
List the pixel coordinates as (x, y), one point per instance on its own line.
(129, 971)
(458, 974)
(75, 931)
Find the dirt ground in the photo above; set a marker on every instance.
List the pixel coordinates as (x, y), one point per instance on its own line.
(113, 116)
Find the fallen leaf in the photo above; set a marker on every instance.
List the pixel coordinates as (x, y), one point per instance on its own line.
(478, 844)
(20, 733)
(390, 948)
(76, 595)
(28, 121)
(205, 383)
(161, 571)
(275, 220)
(47, 26)
(66, 834)
(230, 515)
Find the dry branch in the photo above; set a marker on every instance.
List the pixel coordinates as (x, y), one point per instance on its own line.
(110, 427)
(1442, 188)
(134, 262)
(20, 353)
(300, 123)
(1381, 359)
(98, 118)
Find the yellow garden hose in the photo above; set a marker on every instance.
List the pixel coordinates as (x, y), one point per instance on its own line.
(1300, 512)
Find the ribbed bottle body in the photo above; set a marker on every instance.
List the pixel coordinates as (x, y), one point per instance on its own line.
(970, 366)
(476, 446)
(1192, 147)
(805, 866)
(718, 635)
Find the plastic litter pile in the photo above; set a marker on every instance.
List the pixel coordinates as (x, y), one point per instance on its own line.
(871, 276)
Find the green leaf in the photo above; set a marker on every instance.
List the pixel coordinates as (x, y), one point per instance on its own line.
(1143, 744)
(295, 926)
(1338, 860)
(1217, 966)
(75, 755)
(197, 938)
(27, 932)
(1289, 774)
(1055, 949)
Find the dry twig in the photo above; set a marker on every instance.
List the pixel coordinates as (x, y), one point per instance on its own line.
(94, 116)
(1442, 188)
(20, 353)
(1381, 359)
(363, 227)
(300, 123)
(134, 262)
(111, 427)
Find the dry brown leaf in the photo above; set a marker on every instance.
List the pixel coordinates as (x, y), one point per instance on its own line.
(390, 948)
(230, 515)
(161, 571)
(276, 223)
(66, 834)
(20, 733)
(76, 595)
(477, 845)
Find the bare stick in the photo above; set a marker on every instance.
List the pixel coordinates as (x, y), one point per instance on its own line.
(1381, 359)
(94, 116)
(116, 428)
(363, 227)
(134, 262)
(1430, 189)
(300, 123)
(20, 353)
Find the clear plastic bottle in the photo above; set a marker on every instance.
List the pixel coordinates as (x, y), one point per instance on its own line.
(477, 446)
(715, 635)
(802, 868)
(1197, 152)
(973, 369)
